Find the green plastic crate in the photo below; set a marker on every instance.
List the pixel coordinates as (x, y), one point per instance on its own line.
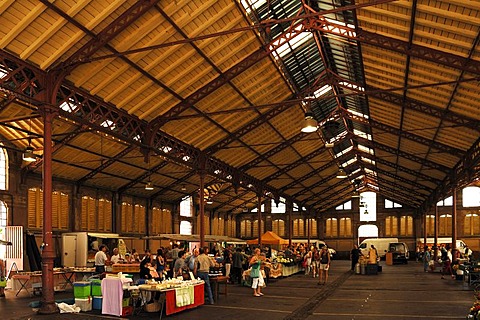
(96, 287)
(81, 289)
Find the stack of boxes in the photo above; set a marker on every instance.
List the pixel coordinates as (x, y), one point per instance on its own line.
(97, 294)
(81, 292)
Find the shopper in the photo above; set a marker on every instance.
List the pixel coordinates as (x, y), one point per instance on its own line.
(180, 266)
(202, 267)
(355, 256)
(324, 265)
(227, 260)
(447, 262)
(160, 263)
(372, 255)
(237, 262)
(426, 257)
(255, 273)
(316, 262)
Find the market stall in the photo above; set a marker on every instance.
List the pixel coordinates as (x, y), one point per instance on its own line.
(270, 238)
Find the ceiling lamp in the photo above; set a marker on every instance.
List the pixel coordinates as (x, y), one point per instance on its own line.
(309, 124)
(341, 173)
(184, 187)
(209, 200)
(149, 185)
(28, 155)
(356, 194)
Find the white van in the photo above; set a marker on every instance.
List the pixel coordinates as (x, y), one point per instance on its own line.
(381, 244)
(460, 244)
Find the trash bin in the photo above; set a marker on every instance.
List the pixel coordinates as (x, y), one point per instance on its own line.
(389, 259)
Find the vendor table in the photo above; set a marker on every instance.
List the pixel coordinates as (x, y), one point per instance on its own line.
(289, 270)
(171, 301)
(29, 278)
(215, 282)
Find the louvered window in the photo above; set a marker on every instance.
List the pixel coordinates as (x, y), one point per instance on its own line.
(35, 208)
(345, 229)
(391, 226)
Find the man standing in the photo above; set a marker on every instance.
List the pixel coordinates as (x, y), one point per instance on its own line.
(190, 261)
(355, 256)
(101, 259)
(202, 267)
(237, 262)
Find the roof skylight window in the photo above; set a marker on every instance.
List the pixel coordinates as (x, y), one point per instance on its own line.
(349, 162)
(186, 158)
(367, 160)
(365, 149)
(351, 85)
(137, 137)
(284, 45)
(3, 74)
(359, 114)
(250, 5)
(340, 31)
(166, 149)
(343, 152)
(68, 106)
(108, 124)
(362, 134)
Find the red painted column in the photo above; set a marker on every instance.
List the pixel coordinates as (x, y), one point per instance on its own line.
(259, 219)
(48, 254)
(454, 222)
(201, 203)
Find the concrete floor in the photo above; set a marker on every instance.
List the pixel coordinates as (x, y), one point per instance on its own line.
(400, 292)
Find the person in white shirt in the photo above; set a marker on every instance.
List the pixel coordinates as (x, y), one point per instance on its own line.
(101, 259)
(116, 257)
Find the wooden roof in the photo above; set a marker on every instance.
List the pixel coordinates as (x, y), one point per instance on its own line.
(223, 86)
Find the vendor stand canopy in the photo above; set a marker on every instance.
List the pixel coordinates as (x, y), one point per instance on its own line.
(194, 238)
(269, 237)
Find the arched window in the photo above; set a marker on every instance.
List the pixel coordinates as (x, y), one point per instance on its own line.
(430, 221)
(471, 226)
(331, 228)
(445, 225)
(312, 223)
(246, 228)
(255, 228)
(391, 226)
(3, 214)
(3, 168)
(161, 221)
(345, 227)
(278, 226)
(298, 228)
(406, 226)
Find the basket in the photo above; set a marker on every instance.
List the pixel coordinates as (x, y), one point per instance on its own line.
(152, 307)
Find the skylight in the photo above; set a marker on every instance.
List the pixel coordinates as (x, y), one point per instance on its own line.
(3, 74)
(351, 85)
(365, 149)
(340, 31)
(362, 134)
(108, 124)
(284, 45)
(166, 149)
(343, 151)
(68, 106)
(250, 5)
(368, 160)
(349, 162)
(358, 114)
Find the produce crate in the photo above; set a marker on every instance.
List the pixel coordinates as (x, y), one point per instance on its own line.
(81, 289)
(85, 304)
(127, 311)
(96, 287)
(97, 303)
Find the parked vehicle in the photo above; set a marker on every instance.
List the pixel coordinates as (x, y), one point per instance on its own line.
(460, 244)
(381, 244)
(399, 252)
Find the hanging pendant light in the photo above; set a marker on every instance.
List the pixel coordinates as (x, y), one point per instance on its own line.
(309, 124)
(149, 185)
(341, 173)
(28, 155)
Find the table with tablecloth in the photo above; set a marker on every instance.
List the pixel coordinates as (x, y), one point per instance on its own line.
(179, 299)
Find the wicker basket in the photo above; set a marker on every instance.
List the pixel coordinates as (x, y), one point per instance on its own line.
(152, 307)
